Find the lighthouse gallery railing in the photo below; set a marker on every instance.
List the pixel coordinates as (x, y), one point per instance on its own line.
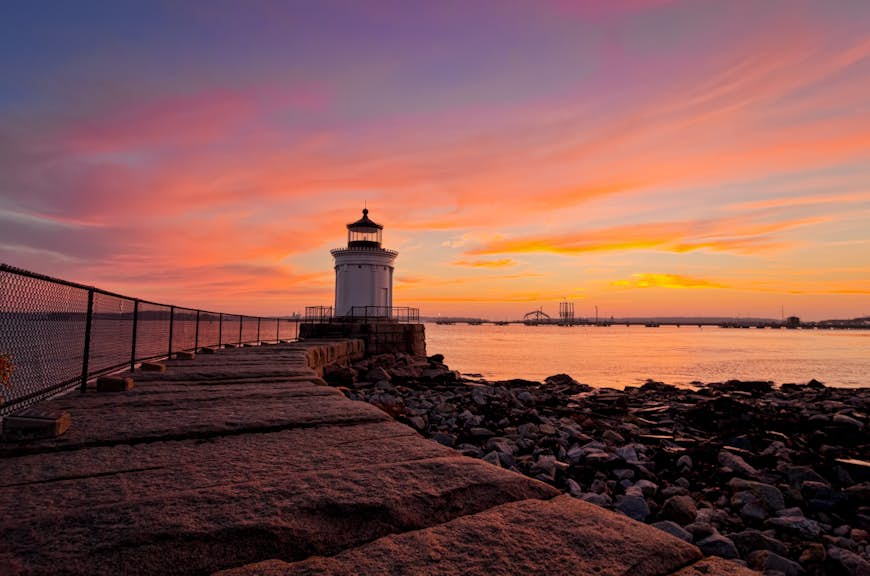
(56, 335)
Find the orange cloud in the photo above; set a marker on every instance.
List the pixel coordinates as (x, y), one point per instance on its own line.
(666, 281)
(787, 202)
(734, 235)
(501, 263)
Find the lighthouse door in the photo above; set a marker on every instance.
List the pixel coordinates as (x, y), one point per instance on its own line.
(384, 300)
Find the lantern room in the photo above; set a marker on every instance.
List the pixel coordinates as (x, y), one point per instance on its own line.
(364, 233)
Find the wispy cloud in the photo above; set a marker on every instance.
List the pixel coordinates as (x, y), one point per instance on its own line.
(500, 263)
(647, 280)
(791, 201)
(735, 235)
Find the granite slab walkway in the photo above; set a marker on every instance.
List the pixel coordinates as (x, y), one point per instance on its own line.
(243, 462)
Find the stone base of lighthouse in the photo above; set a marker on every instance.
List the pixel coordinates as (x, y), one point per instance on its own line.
(379, 337)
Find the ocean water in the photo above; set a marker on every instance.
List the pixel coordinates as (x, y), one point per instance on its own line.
(619, 356)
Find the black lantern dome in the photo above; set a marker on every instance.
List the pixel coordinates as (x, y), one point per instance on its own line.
(364, 233)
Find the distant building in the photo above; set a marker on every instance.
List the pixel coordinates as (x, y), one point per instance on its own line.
(792, 322)
(363, 270)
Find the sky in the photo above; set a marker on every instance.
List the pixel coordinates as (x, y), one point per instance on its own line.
(648, 157)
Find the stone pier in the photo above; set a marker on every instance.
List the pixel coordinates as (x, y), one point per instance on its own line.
(243, 462)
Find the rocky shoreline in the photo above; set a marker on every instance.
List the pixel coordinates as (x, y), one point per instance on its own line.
(773, 477)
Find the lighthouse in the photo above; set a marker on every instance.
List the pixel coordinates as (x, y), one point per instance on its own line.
(364, 271)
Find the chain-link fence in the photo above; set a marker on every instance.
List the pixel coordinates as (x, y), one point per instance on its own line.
(56, 335)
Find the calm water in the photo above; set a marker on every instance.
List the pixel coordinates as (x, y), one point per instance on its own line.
(620, 356)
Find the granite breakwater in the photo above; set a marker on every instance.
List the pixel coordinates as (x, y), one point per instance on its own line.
(772, 477)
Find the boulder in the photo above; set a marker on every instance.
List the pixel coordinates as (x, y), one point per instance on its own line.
(718, 545)
(847, 422)
(680, 509)
(633, 506)
(648, 488)
(736, 464)
(574, 488)
(767, 561)
(750, 540)
(798, 525)
(673, 529)
(766, 496)
(338, 375)
(849, 562)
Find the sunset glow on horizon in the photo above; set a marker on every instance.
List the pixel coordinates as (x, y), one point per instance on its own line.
(648, 157)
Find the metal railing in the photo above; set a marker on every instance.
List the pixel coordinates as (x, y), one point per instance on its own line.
(402, 314)
(56, 335)
(318, 315)
(365, 314)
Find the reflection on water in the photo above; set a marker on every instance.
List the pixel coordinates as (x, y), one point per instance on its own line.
(619, 356)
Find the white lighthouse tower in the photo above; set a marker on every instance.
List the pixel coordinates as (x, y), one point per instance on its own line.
(364, 271)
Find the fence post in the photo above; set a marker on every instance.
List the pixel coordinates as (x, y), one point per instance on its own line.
(258, 329)
(135, 328)
(87, 351)
(241, 322)
(171, 322)
(278, 332)
(220, 328)
(196, 334)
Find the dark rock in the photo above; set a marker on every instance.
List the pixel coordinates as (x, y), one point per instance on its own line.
(684, 462)
(517, 383)
(749, 540)
(565, 384)
(598, 499)
(492, 458)
(798, 525)
(338, 375)
(766, 561)
(654, 386)
(814, 553)
(736, 464)
(700, 530)
(673, 529)
(648, 488)
(418, 423)
(445, 439)
(855, 468)
(392, 405)
(673, 491)
(436, 358)
(769, 496)
(718, 545)
(377, 374)
(480, 432)
(851, 563)
(627, 453)
(573, 488)
(797, 475)
(753, 387)
(501, 445)
(680, 509)
(613, 437)
(633, 506)
(847, 422)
